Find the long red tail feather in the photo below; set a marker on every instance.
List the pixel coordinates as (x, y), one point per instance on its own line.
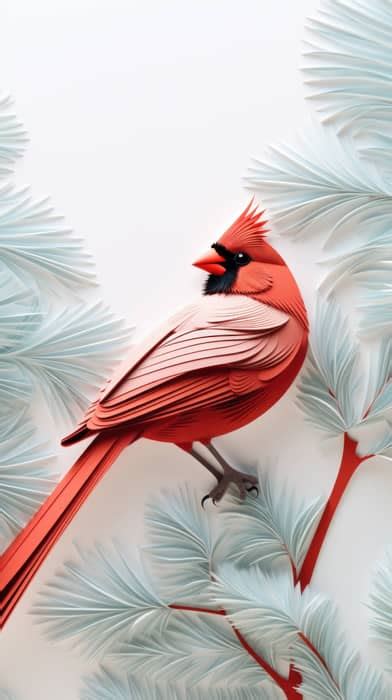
(22, 559)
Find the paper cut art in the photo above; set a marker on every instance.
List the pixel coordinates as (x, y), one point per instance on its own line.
(214, 367)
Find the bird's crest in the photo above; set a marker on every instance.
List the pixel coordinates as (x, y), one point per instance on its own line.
(247, 229)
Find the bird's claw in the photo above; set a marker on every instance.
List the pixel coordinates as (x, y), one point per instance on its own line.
(206, 497)
(220, 489)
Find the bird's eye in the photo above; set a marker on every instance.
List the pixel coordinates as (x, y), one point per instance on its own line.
(241, 258)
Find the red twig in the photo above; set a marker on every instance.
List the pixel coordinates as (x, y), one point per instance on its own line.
(187, 608)
(286, 684)
(350, 462)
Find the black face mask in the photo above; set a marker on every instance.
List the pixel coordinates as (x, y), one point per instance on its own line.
(219, 284)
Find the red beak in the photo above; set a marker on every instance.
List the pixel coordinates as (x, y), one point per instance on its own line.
(211, 262)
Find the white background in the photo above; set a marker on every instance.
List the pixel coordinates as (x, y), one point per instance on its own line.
(143, 117)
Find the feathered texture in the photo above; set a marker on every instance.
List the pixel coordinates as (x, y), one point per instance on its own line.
(366, 261)
(376, 308)
(383, 445)
(19, 316)
(26, 477)
(196, 648)
(380, 604)
(19, 311)
(69, 353)
(13, 137)
(105, 602)
(329, 391)
(97, 600)
(319, 176)
(379, 392)
(336, 393)
(323, 181)
(179, 553)
(108, 686)
(36, 244)
(246, 230)
(109, 606)
(304, 628)
(272, 528)
(320, 184)
(349, 63)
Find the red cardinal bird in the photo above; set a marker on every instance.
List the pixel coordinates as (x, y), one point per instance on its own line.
(213, 368)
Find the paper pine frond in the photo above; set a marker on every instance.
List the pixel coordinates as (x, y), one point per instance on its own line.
(380, 604)
(318, 177)
(349, 63)
(13, 136)
(97, 600)
(179, 548)
(19, 312)
(26, 477)
(383, 444)
(379, 399)
(369, 259)
(328, 392)
(273, 527)
(380, 383)
(70, 353)
(376, 308)
(108, 686)
(304, 627)
(195, 648)
(35, 243)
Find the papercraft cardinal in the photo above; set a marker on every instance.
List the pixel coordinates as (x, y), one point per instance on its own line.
(214, 367)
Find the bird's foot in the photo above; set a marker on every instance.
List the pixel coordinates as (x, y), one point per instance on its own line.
(245, 483)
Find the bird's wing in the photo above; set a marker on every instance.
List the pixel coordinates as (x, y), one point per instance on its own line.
(212, 351)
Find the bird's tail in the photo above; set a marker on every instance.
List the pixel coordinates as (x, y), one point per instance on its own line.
(24, 556)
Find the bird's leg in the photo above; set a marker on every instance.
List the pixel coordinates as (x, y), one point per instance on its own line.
(243, 482)
(213, 470)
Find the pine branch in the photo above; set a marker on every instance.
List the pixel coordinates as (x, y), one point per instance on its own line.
(380, 604)
(350, 462)
(303, 627)
(67, 355)
(108, 686)
(13, 137)
(26, 476)
(202, 648)
(96, 600)
(349, 64)
(320, 181)
(268, 529)
(329, 391)
(179, 548)
(36, 244)
(376, 308)
(334, 392)
(287, 685)
(305, 192)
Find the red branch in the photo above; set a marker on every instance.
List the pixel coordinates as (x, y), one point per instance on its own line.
(286, 684)
(350, 462)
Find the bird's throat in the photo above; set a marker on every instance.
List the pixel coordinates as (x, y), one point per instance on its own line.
(220, 284)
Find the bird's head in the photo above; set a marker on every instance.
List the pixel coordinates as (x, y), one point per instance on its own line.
(241, 261)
